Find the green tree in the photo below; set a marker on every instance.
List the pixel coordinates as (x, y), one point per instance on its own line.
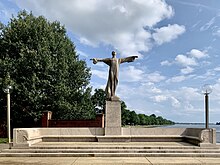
(98, 100)
(1, 26)
(125, 114)
(45, 70)
(142, 118)
(134, 119)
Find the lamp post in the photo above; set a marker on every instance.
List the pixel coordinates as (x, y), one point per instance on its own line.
(206, 90)
(8, 90)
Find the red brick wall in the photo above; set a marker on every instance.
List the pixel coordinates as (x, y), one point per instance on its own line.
(46, 116)
(48, 122)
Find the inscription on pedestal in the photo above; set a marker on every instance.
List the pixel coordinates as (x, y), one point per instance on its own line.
(113, 118)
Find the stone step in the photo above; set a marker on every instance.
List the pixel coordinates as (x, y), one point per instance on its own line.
(110, 155)
(111, 151)
(111, 147)
(101, 145)
(103, 149)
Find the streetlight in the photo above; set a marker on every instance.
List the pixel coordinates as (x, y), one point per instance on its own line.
(8, 90)
(206, 90)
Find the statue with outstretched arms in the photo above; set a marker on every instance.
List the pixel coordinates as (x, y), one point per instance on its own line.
(113, 64)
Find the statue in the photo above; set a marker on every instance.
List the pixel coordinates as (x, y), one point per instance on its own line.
(113, 64)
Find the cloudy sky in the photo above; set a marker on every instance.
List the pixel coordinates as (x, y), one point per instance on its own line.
(177, 42)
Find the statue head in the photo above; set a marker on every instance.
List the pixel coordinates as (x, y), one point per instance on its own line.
(113, 54)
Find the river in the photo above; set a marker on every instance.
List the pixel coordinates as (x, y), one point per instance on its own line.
(217, 127)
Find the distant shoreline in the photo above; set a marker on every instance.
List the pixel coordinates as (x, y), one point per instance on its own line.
(195, 123)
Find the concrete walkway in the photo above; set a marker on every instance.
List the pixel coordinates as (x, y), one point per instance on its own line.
(3, 146)
(106, 160)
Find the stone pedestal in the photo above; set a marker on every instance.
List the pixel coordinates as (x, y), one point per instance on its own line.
(113, 118)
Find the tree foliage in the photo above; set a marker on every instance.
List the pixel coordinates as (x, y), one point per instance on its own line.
(98, 100)
(44, 69)
(131, 118)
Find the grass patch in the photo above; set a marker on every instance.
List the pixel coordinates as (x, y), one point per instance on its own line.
(3, 140)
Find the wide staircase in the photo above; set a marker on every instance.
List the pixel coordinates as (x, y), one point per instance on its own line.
(112, 149)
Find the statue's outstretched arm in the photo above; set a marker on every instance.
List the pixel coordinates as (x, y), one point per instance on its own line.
(128, 59)
(105, 60)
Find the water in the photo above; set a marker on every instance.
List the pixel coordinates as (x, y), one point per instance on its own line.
(217, 127)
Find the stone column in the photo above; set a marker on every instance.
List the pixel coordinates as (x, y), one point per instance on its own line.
(113, 118)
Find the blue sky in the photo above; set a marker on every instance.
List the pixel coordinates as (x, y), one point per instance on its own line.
(177, 43)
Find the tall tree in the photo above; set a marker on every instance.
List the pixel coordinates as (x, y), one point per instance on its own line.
(45, 70)
(98, 99)
(125, 114)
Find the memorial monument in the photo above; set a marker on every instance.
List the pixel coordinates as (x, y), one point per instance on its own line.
(113, 132)
(113, 104)
(113, 64)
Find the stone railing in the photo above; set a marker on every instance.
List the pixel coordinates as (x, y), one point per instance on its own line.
(25, 137)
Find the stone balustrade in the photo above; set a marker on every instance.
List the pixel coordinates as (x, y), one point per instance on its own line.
(25, 137)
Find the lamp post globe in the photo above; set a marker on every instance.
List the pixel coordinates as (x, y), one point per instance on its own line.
(206, 89)
(7, 89)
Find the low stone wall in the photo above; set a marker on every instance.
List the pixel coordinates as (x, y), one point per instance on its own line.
(152, 131)
(198, 136)
(25, 137)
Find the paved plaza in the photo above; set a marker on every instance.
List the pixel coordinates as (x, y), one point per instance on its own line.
(106, 160)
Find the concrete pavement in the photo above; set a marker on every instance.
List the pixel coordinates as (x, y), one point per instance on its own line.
(3, 146)
(106, 160)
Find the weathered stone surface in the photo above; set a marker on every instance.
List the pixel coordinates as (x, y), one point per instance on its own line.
(113, 118)
(25, 137)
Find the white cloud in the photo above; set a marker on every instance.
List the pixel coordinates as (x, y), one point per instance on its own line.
(187, 70)
(217, 32)
(131, 74)
(155, 90)
(175, 103)
(208, 24)
(185, 61)
(160, 98)
(217, 69)
(81, 53)
(197, 53)
(100, 74)
(180, 78)
(151, 88)
(177, 79)
(168, 33)
(117, 23)
(216, 90)
(154, 77)
(166, 63)
(190, 93)
(6, 12)
(189, 107)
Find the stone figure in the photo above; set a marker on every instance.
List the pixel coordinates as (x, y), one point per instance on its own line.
(113, 64)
